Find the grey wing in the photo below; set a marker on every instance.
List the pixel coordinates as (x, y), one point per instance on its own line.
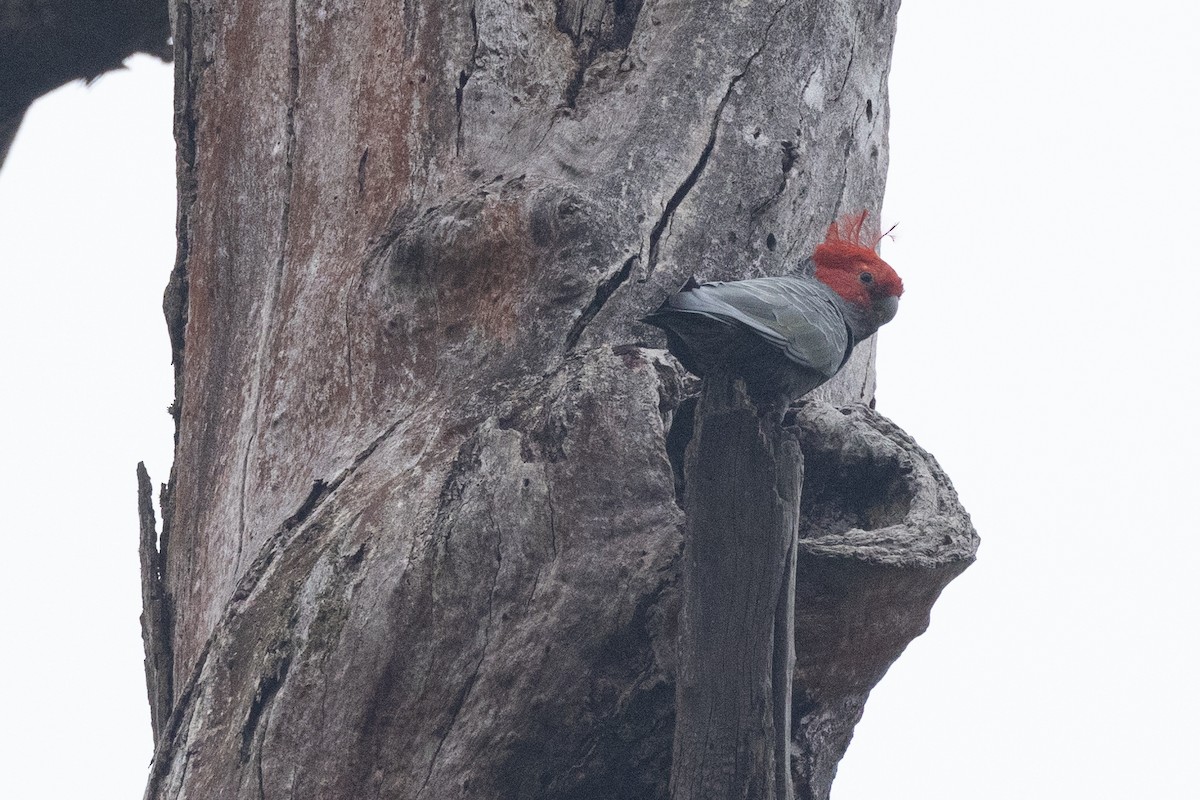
(796, 315)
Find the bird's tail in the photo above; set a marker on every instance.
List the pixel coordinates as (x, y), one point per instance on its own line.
(664, 311)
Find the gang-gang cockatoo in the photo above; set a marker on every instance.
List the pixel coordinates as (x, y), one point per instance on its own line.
(785, 335)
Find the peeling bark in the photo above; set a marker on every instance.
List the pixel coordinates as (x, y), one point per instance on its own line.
(423, 534)
(156, 610)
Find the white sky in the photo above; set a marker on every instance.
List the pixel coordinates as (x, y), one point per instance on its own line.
(1044, 176)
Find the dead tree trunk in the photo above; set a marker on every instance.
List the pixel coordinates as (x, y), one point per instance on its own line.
(422, 534)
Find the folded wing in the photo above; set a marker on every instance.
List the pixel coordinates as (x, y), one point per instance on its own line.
(797, 316)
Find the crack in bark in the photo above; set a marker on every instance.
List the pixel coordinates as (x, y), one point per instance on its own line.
(575, 85)
(849, 66)
(787, 162)
(675, 441)
(610, 31)
(361, 174)
(463, 77)
(320, 492)
(262, 791)
(808, 79)
(841, 194)
(461, 700)
(316, 495)
(689, 182)
(349, 352)
(237, 558)
(603, 292)
(254, 729)
(606, 289)
(697, 170)
(260, 709)
(550, 506)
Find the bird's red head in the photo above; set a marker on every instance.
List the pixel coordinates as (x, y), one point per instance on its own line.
(850, 267)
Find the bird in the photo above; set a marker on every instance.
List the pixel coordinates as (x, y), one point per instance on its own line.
(785, 335)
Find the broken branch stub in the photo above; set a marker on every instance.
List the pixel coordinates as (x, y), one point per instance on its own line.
(744, 474)
(156, 613)
(880, 534)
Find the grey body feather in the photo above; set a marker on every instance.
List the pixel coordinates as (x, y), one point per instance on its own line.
(784, 335)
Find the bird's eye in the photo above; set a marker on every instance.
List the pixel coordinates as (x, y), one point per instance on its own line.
(866, 278)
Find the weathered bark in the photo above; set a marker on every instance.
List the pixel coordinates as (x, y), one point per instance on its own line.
(733, 677)
(156, 612)
(421, 539)
(46, 43)
(881, 534)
